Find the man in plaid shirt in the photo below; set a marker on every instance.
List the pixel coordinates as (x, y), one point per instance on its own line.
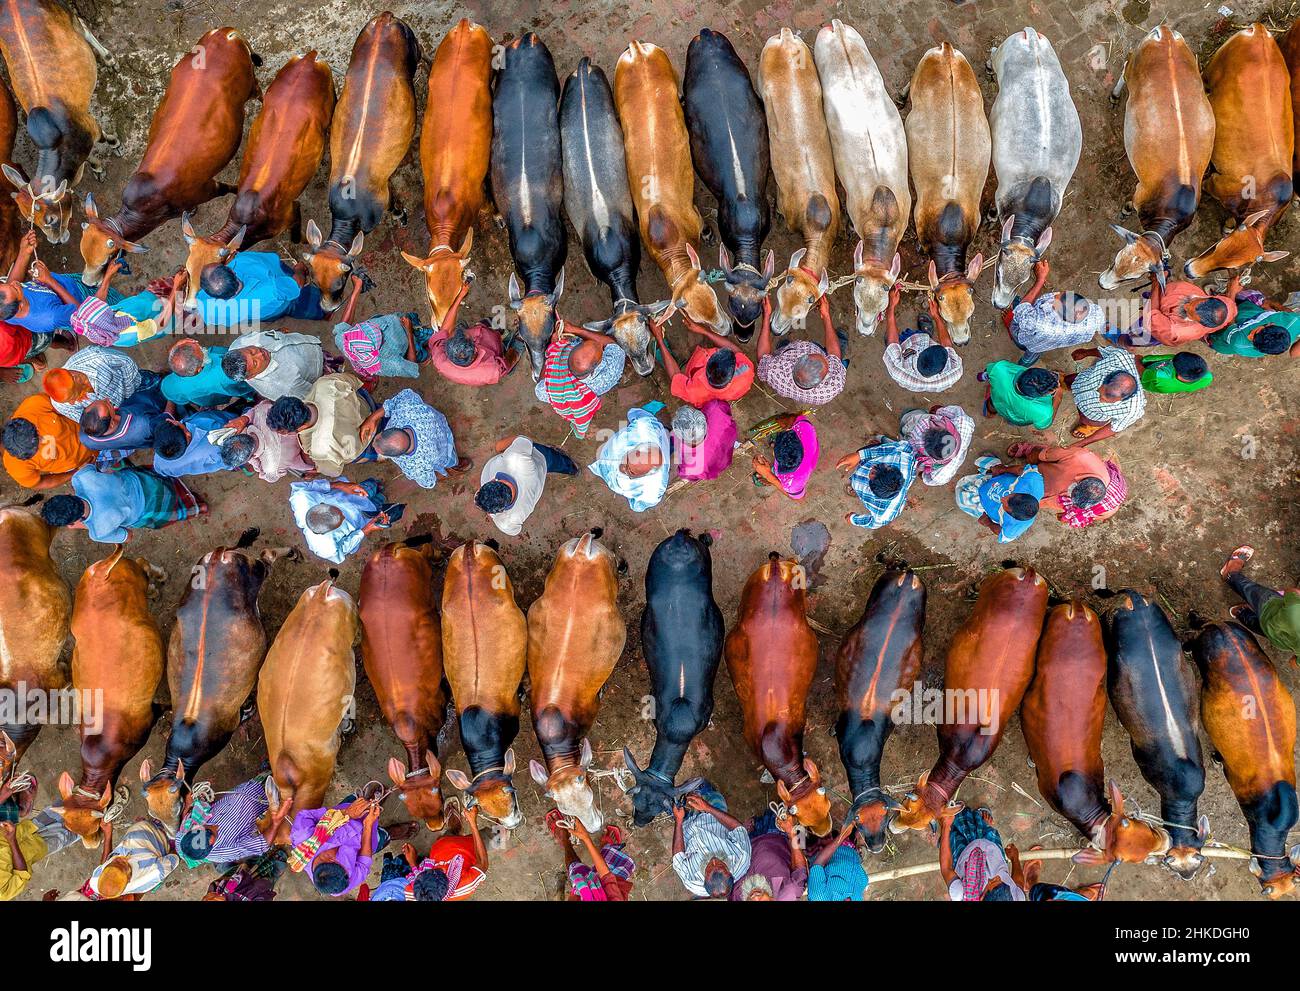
(918, 361)
(883, 471)
(802, 370)
(1109, 394)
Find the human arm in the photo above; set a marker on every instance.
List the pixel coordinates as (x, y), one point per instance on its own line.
(765, 330)
(940, 325)
(679, 837)
(110, 271)
(26, 252)
(763, 469)
(828, 851)
(697, 802)
(52, 481)
(832, 344)
(480, 848)
(370, 426)
(788, 825)
(1041, 268)
(350, 307)
(44, 277)
(670, 363)
(891, 314)
(368, 829)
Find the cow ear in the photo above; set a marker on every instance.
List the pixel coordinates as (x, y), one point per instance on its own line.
(1007, 224)
(396, 771)
(538, 770)
(1128, 236)
(974, 268)
(896, 269)
(599, 326)
(857, 254)
(180, 771)
(13, 175)
(1044, 240)
(1090, 856)
(313, 235)
(797, 258)
(769, 264)
(66, 785)
(415, 261)
(509, 768)
(782, 791)
(934, 276)
(516, 294)
(585, 757)
(91, 210)
(694, 257)
(466, 244)
(814, 774)
(1274, 256)
(431, 762)
(1256, 218)
(824, 284)
(630, 761)
(1116, 798)
(558, 291)
(458, 779)
(187, 228)
(724, 259)
(1203, 829)
(358, 243)
(146, 771)
(235, 242)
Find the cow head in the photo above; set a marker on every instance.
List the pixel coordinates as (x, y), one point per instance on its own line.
(797, 294)
(1141, 257)
(871, 285)
(871, 819)
(696, 298)
(1124, 838)
(536, 312)
(808, 802)
(653, 794)
(914, 812)
(1015, 266)
(331, 265)
(100, 243)
(569, 790)
(494, 791)
(83, 813)
(8, 756)
(419, 788)
(746, 286)
(443, 271)
(1238, 248)
(163, 792)
(630, 329)
(1277, 886)
(955, 295)
(1185, 861)
(204, 252)
(49, 211)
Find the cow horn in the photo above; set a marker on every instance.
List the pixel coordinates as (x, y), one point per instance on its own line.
(631, 763)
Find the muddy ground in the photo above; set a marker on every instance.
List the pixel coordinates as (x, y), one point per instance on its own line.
(1193, 495)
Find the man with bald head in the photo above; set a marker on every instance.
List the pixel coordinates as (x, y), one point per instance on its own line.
(335, 514)
(196, 377)
(1108, 394)
(806, 372)
(581, 366)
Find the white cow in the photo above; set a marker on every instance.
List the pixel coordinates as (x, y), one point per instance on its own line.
(870, 148)
(1037, 139)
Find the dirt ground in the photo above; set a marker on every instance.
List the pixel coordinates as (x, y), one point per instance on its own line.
(1193, 495)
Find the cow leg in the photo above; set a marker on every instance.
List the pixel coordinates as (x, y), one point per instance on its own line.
(395, 206)
(295, 224)
(105, 56)
(1119, 88)
(226, 189)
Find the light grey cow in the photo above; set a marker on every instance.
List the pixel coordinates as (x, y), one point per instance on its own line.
(1037, 138)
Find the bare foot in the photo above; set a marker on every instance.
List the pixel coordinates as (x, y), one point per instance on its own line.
(1237, 560)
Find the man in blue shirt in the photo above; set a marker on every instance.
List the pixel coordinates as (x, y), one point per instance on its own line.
(44, 304)
(256, 287)
(182, 448)
(335, 515)
(197, 378)
(116, 433)
(415, 437)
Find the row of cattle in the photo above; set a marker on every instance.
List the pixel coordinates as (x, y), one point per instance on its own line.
(618, 160)
(1054, 666)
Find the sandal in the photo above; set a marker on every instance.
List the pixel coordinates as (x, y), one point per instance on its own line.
(1243, 554)
(613, 836)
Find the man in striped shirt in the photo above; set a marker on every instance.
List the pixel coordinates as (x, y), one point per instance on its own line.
(224, 831)
(1108, 395)
(710, 846)
(918, 360)
(138, 864)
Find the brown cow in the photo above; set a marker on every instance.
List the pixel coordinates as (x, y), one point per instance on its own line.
(949, 148)
(575, 638)
(991, 658)
(11, 228)
(1062, 718)
(119, 658)
(52, 70)
(35, 603)
(284, 150)
(455, 150)
(772, 655)
(803, 166)
(1289, 44)
(484, 651)
(657, 147)
(195, 132)
(401, 648)
(1168, 137)
(304, 693)
(1250, 718)
(370, 137)
(214, 653)
(1254, 147)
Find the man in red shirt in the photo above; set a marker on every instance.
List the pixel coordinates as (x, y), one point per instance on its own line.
(22, 353)
(1182, 312)
(720, 372)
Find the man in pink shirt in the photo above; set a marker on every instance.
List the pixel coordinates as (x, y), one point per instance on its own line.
(472, 355)
(705, 440)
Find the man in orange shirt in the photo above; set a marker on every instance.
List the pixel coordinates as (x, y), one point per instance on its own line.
(1182, 312)
(1076, 481)
(720, 372)
(42, 449)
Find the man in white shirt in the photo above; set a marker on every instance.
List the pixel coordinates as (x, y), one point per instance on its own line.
(512, 481)
(275, 363)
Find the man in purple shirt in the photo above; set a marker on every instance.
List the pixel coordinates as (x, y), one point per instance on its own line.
(704, 439)
(338, 842)
(778, 869)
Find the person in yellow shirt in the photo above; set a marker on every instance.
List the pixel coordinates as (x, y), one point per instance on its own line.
(21, 846)
(328, 422)
(42, 449)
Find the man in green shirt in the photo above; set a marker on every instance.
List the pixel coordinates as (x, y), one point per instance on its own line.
(1181, 372)
(1024, 397)
(1274, 613)
(1258, 332)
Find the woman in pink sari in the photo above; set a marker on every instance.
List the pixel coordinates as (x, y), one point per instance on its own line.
(795, 450)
